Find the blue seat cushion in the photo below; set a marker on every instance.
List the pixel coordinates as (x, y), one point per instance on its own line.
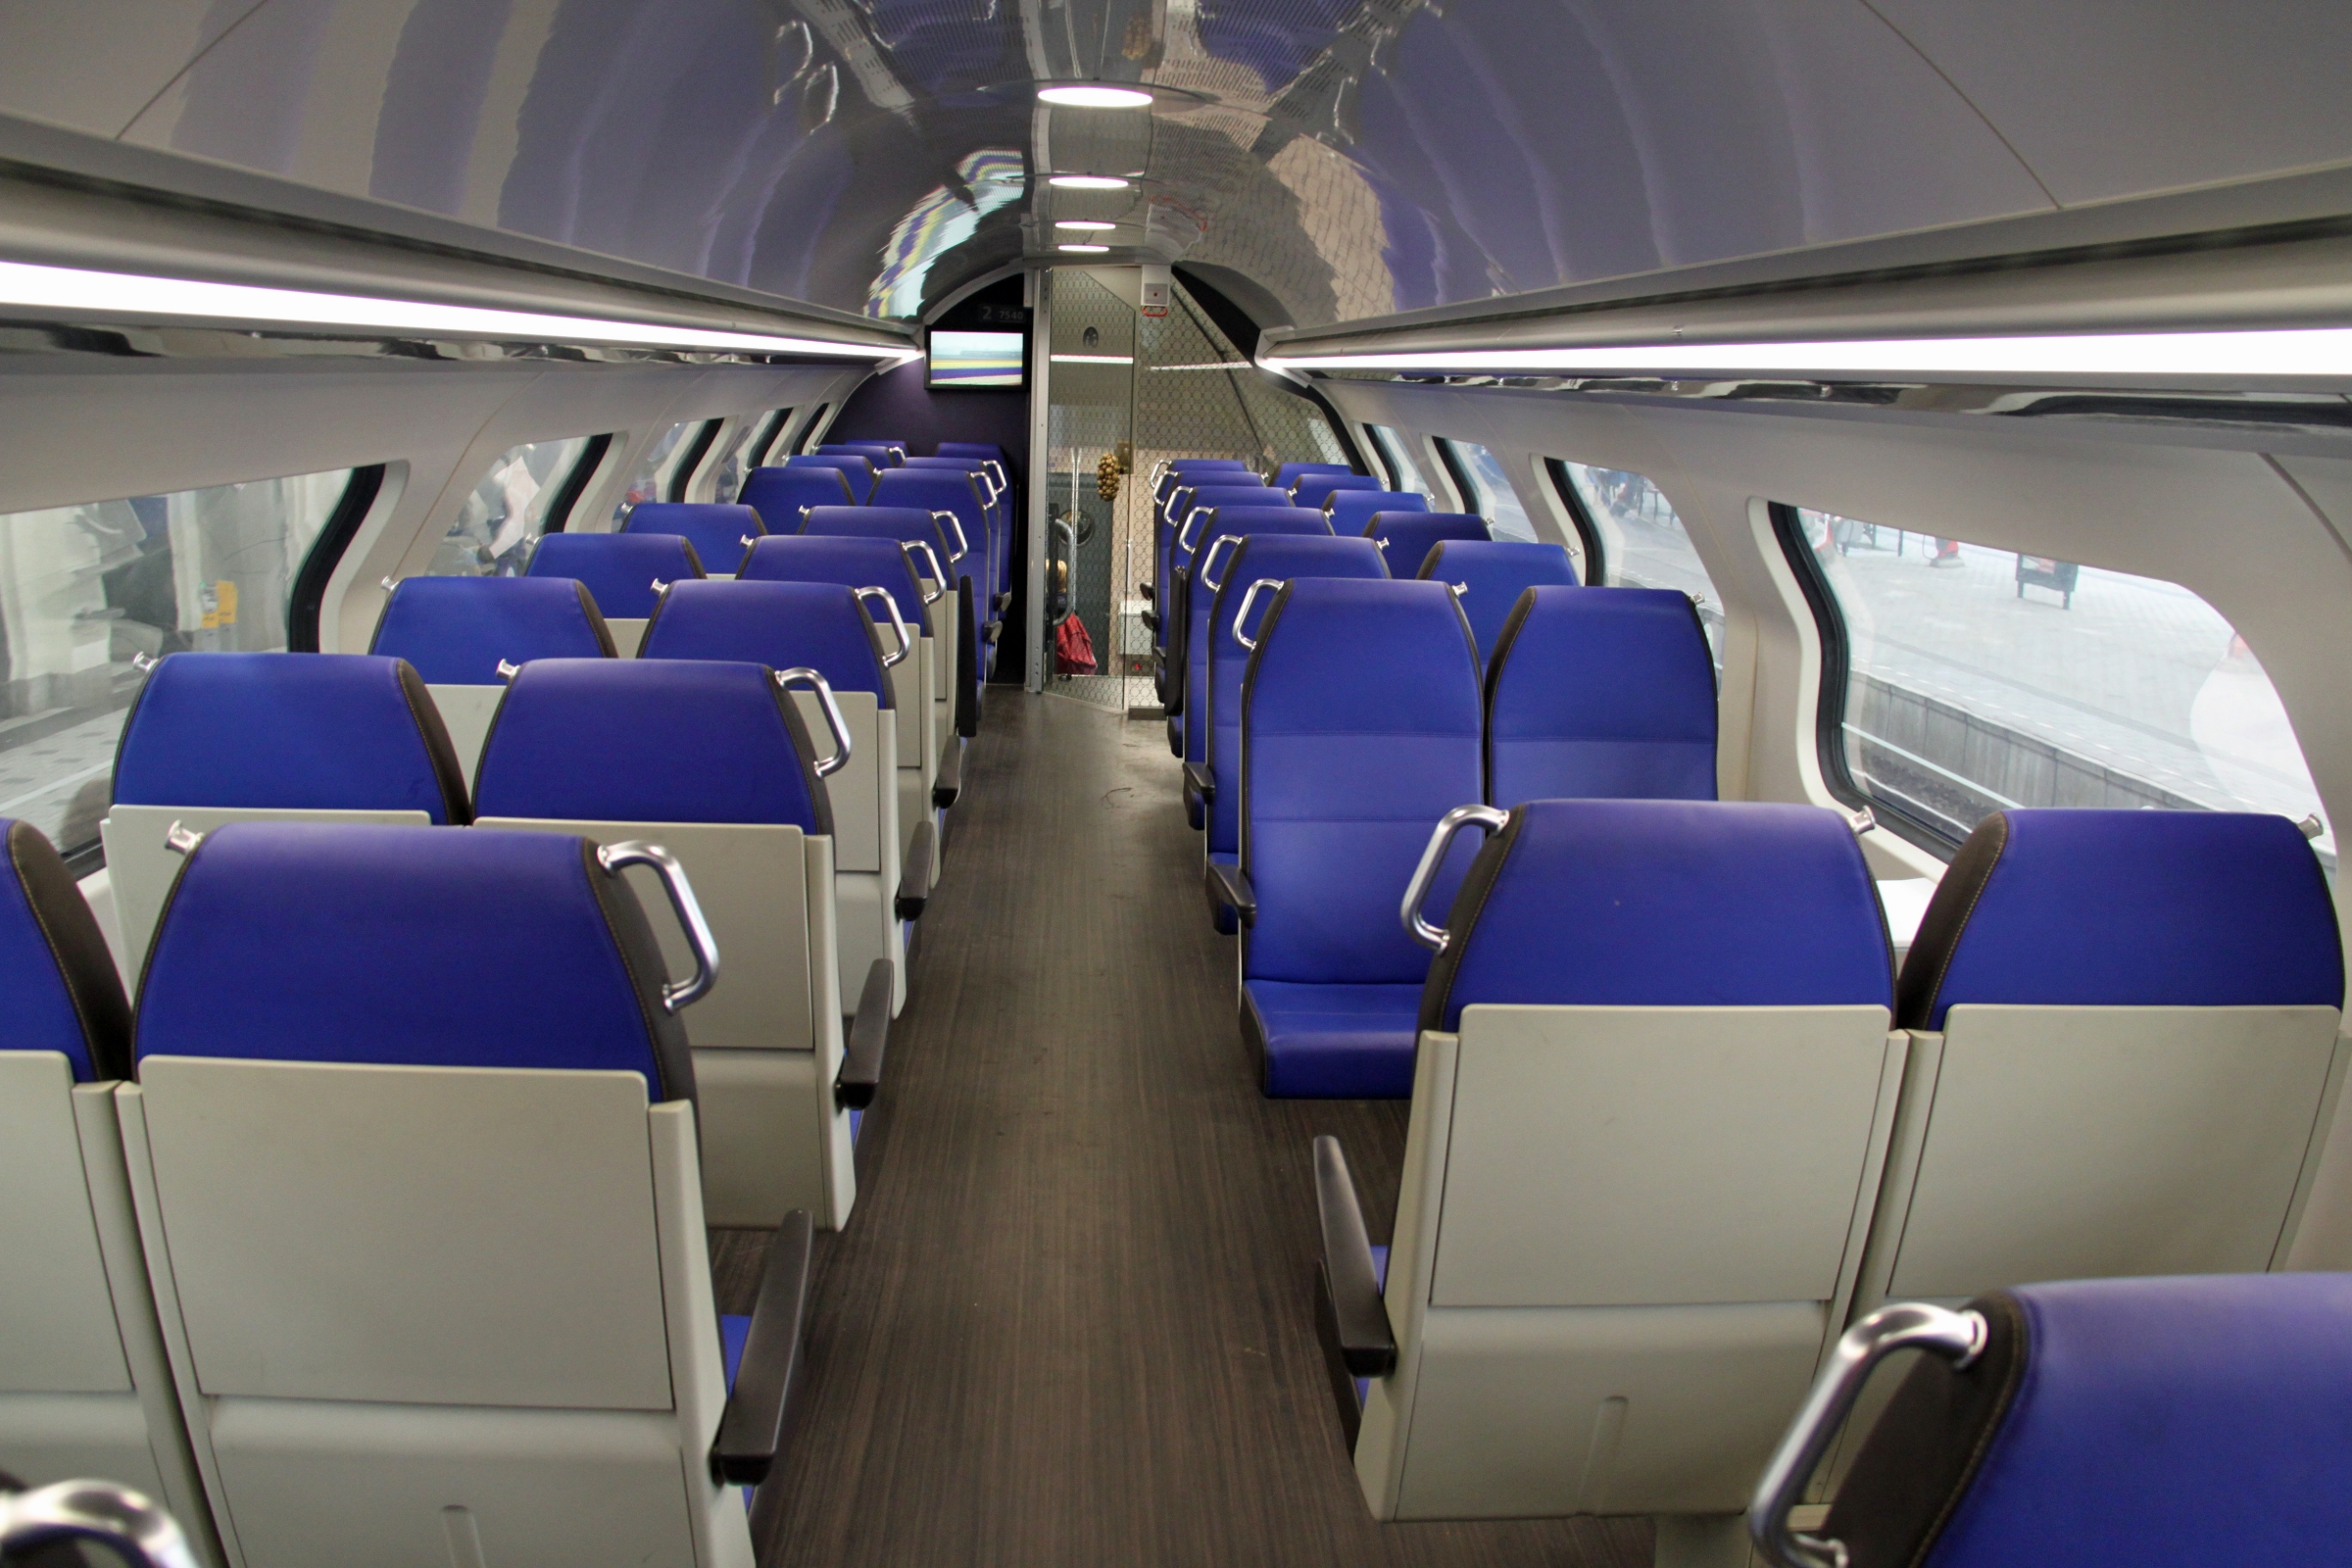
(60, 981)
(456, 631)
(1334, 1042)
(721, 535)
(620, 570)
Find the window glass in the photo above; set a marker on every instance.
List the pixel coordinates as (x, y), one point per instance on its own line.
(1643, 544)
(1491, 494)
(746, 448)
(1981, 678)
(1404, 471)
(85, 589)
(506, 512)
(655, 469)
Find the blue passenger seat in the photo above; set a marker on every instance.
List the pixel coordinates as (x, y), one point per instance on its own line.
(1178, 539)
(1290, 474)
(435, 1212)
(1491, 575)
(721, 535)
(1407, 536)
(881, 454)
(780, 495)
(1220, 530)
(1359, 731)
(1350, 512)
(1314, 489)
(955, 681)
(957, 496)
(1600, 692)
(624, 572)
(858, 474)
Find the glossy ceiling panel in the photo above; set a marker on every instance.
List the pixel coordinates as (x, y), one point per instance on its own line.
(1350, 157)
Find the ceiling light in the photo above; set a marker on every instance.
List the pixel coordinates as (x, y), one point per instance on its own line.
(1095, 97)
(1093, 224)
(1086, 250)
(1092, 359)
(2284, 352)
(130, 297)
(1088, 182)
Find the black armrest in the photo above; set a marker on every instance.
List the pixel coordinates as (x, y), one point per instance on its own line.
(995, 630)
(949, 782)
(1351, 1311)
(1146, 590)
(1151, 621)
(1232, 884)
(1003, 600)
(1202, 781)
(752, 1427)
(869, 1032)
(915, 875)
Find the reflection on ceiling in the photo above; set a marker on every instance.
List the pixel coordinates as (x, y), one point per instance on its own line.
(1348, 157)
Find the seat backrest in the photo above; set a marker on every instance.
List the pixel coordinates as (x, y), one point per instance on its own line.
(1601, 693)
(784, 625)
(1678, 1013)
(2155, 1421)
(624, 572)
(1189, 598)
(1290, 474)
(1407, 537)
(986, 450)
(312, 732)
(1352, 510)
(2136, 1009)
(1359, 730)
(651, 740)
(456, 631)
(1280, 555)
(63, 992)
(1313, 489)
(906, 525)
(935, 490)
(854, 469)
(721, 535)
(1491, 575)
(780, 494)
(881, 454)
(850, 559)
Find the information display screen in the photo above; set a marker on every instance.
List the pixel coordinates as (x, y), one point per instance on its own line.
(977, 359)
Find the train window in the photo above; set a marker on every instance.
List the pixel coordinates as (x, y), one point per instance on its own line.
(666, 464)
(523, 496)
(746, 447)
(1487, 485)
(1642, 543)
(1975, 679)
(1396, 454)
(86, 589)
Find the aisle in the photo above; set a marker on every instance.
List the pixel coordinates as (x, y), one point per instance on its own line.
(1070, 1321)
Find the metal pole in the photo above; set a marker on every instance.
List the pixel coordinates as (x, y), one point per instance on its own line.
(1041, 474)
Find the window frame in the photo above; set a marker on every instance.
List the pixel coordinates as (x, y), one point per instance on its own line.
(1457, 474)
(817, 422)
(765, 440)
(305, 600)
(1593, 568)
(690, 465)
(574, 485)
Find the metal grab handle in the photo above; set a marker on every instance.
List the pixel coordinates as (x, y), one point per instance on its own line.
(182, 841)
(660, 586)
(1435, 936)
(804, 510)
(898, 623)
(938, 573)
(1157, 470)
(994, 489)
(1241, 612)
(1959, 1337)
(746, 540)
(963, 546)
(1208, 559)
(135, 1527)
(618, 857)
(506, 671)
(1184, 535)
(1003, 479)
(833, 720)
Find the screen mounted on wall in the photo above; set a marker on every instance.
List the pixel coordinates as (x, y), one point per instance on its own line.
(977, 359)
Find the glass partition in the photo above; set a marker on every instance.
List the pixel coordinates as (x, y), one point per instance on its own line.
(505, 515)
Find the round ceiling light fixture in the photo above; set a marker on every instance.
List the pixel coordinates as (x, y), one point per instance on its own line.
(1087, 183)
(1091, 224)
(1094, 96)
(1084, 250)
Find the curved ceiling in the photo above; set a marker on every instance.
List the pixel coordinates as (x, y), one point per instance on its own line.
(1350, 158)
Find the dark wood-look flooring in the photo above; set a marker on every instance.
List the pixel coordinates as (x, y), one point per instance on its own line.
(1071, 1320)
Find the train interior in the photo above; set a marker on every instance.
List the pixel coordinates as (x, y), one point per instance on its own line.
(831, 782)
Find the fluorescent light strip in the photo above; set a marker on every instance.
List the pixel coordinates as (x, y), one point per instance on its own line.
(84, 295)
(1210, 364)
(2286, 352)
(1094, 358)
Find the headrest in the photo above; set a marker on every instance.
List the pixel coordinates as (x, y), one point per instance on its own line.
(1290, 474)
(618, 569)
(1210, 497)
(1283, 556)
(784, 625)
(881, 454)
(408, 947)
(853, 561)
(1408, 536)
(779, 494)
(289, 732)
(985, 450)
(63, 992)
(1340, 655)
(1316, 488)
(948, 465)
(942, 489)
(912, 525)
(1243, 522)
(853, 469)
(2192, 1419)
(1351, 511)
(719, 534)
(2076, 909)
(458, 630)
(1601, 692)
(1664, 903)
(650, 740)
(1495, 572)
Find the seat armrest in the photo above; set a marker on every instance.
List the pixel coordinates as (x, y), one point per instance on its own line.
(1203, 780)
(1350, 1311)
(1232, 884)
(914, 877)
(869, 1033)
(949, 782)
(752, 1427)
(1151, 621)
(1003, 600)
(995, 630)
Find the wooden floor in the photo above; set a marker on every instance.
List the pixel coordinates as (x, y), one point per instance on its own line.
(1071, 1320)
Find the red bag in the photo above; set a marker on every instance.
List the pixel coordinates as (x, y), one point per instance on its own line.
(1073, 649)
